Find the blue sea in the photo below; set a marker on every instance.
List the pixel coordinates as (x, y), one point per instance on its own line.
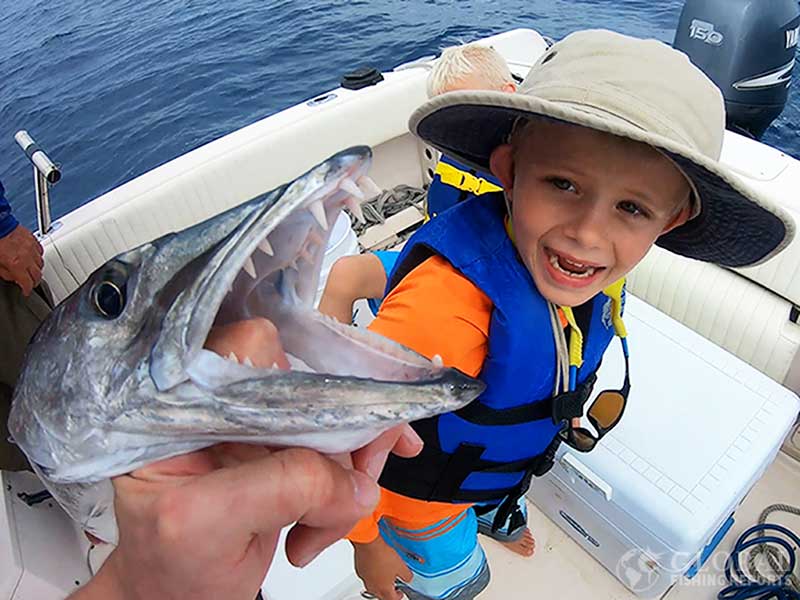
(114, 88)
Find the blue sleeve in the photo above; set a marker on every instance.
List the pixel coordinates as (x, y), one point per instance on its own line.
(7, 221)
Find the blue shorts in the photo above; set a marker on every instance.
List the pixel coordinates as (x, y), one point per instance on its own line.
(445, 558)
(388, 259)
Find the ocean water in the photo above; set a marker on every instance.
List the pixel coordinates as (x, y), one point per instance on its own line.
(114, 88)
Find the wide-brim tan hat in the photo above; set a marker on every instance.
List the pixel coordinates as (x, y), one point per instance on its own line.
(639, 89)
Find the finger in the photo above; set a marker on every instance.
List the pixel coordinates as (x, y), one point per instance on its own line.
(35, 273)
(409, 444)
(344, 458)
(233, 453)
(304, 544)
(371, 458)
(25, 282)
(270, 493)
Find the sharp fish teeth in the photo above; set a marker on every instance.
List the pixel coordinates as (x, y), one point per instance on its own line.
(318, 210)
(369, 187)
(247, 361)
(266, 247)
(275, 365)
(349, 186)
(437, 360)
(354, 207)
(249, 267)
(233, 357)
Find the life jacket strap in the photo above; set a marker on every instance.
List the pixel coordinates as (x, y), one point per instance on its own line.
(462, 180)
(438, 476)
(559, 408)
(510, 503)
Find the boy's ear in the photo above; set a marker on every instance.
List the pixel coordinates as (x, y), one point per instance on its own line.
(501, 163)
(679, 219)
(509, 87)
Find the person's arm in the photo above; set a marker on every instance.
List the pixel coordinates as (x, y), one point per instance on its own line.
(8, 222)
(352, 278)
(433, 310)
(20, 252)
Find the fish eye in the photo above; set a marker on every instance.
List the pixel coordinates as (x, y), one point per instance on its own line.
(109, 298)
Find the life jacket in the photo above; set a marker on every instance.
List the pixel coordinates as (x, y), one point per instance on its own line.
(490, 449)
(453, 183)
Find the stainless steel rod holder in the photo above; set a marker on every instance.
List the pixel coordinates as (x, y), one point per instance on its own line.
(45, 174)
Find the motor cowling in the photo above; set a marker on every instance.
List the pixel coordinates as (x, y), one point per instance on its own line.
(747, 47)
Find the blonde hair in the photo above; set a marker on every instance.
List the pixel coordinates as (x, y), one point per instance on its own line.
(468, 60)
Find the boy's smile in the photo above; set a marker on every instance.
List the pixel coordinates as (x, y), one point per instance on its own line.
(586, 205)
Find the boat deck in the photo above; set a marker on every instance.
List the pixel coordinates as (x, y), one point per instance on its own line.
(560, 568)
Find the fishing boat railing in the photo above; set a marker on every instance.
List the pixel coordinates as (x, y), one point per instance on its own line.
(45, 174)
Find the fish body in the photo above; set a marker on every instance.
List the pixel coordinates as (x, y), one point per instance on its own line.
(118, 377)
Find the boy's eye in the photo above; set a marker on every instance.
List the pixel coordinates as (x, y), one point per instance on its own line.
(632, 208)
(562, 184)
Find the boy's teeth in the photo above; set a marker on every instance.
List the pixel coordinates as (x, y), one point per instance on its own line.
(556, 262)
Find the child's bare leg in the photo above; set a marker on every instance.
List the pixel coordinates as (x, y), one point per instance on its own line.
(352, 278)
(256, 340)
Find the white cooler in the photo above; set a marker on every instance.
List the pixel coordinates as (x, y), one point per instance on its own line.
(655, 497)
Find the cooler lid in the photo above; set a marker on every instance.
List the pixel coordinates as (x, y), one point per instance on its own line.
(700, 428)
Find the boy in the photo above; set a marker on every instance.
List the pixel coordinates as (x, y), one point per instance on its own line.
(470, 66)
(611, 144)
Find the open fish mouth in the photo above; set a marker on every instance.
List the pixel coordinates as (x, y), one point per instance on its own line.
(272, 271)
(119, 376)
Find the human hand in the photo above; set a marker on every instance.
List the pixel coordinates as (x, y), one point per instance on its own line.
(255, 340)
(21, 259)
(205, 525)
(379, 566)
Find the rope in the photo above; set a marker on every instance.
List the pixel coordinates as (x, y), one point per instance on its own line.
(772, 544)
(562, 352)
(776, 560)
(387, 204)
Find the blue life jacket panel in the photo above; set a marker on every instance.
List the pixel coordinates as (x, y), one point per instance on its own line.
(487, 450)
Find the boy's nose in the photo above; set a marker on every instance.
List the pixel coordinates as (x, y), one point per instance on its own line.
(589, 226)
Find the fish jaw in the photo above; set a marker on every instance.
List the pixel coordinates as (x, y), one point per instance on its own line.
(101, 396)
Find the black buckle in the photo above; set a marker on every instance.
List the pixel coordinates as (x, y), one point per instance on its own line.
(569, 405)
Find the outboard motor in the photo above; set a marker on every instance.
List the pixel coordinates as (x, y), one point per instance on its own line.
(747, 47)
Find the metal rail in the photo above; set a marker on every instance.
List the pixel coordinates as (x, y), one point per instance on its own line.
(45, 174)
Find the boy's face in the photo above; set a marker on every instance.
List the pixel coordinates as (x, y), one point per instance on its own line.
(586, 206)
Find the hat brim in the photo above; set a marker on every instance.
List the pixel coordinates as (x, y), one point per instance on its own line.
(735, 227)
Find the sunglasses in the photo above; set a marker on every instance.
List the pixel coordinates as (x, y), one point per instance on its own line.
(604, 413)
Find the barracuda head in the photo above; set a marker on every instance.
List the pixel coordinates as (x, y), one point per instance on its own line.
(117, 377)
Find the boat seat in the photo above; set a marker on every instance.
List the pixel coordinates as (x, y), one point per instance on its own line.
(749, 320)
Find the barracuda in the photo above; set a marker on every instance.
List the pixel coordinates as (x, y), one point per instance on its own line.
(117, 377)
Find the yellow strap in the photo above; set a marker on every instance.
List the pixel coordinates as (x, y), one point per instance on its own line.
(462, 180)
(614, 291)
(575, 338)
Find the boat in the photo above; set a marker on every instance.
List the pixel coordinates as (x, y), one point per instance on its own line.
(739, 326)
